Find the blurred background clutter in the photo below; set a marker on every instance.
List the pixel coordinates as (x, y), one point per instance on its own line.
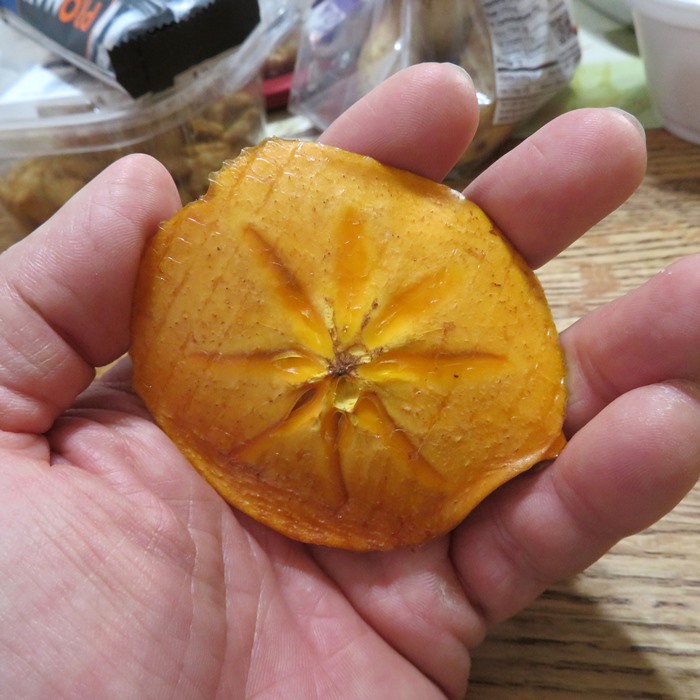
(284, 67)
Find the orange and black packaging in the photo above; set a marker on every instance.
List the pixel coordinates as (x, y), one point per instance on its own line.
(139, 44)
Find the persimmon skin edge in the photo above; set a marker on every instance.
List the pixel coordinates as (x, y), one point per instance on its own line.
(349, 353)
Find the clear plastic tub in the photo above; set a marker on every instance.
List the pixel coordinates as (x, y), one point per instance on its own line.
(668, 32)
(60, 126)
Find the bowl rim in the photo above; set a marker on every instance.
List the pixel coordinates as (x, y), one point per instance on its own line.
(683, 13)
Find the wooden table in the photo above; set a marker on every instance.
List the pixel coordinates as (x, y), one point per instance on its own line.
(629, 627)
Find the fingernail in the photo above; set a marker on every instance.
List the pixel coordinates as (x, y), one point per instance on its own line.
(461, 70)
(630, 118)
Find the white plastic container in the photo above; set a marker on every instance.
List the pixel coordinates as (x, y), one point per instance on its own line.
(615, 9)
(60, 126)
(668, 32)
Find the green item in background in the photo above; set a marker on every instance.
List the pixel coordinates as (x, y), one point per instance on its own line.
(611, 73)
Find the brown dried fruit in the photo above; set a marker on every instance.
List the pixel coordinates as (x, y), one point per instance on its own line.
(349, 353)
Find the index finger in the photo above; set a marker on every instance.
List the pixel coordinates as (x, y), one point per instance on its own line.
(421, 119)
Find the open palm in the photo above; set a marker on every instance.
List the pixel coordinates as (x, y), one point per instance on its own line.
(125, 575)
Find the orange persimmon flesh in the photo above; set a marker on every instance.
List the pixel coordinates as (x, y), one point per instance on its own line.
(349, 353)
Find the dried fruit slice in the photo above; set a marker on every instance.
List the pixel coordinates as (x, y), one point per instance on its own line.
(349, 353)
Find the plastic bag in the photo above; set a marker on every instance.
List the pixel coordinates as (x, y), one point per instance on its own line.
(519, 53)
(279, 66)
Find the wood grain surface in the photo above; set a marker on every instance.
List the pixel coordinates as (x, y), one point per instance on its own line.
(628, 627)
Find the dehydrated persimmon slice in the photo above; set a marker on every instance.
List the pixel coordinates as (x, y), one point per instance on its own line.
(349, 353)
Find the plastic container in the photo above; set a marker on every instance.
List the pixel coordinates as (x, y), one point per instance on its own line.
(60, 126)
(615, 9)
(668, 32)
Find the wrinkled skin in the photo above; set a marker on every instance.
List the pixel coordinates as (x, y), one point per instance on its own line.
(125, 575)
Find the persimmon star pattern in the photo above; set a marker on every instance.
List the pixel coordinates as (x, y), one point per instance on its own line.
(349, 353)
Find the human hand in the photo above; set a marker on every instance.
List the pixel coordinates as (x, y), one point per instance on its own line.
(125, 575)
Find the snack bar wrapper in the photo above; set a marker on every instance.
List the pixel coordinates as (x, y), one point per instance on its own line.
(140, 45)
(519, 53)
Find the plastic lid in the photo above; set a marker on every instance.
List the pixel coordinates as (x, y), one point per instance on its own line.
(50, 106)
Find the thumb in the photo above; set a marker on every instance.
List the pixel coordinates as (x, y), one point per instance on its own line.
(65, 290)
